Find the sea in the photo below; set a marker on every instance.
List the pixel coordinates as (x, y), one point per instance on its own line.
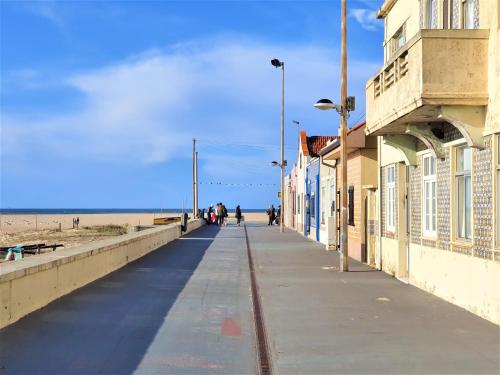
(81, 211)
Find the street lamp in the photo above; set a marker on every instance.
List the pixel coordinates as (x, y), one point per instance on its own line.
(280, 64)
(347, 104)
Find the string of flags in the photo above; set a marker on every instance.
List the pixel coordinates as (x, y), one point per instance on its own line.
(235, 184)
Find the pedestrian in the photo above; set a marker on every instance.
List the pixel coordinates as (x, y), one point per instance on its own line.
(209, 214)
(238, 215)
(77, 222)
(213, 217)
(271, 212)
(224, 215)
(220, 214)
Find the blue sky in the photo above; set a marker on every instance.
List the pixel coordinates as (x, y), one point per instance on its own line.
(100, 100)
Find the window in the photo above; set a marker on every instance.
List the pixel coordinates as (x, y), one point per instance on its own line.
(398, 40)
(463, 192)
(298, 204)
(322, 202)
(351, 205)
(445, 14)
(390, 191)
(468, 14)
(497, 202)
(332, 197)
(300, 161)
(431, 14)
(429, 194)
(313, 206)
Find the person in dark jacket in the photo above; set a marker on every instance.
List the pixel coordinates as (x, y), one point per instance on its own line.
(238, 215)
(224, 215)
(271, 212)
(209, 214)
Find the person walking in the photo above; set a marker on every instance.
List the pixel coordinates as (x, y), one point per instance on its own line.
(209, 214)
(224, 215)
(238, 215)
(271, 212)
(220, 217)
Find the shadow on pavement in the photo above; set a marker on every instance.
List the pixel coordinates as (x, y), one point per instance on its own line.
(107, 326)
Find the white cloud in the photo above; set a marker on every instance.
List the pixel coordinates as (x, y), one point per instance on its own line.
(366, 18)
(146, 109)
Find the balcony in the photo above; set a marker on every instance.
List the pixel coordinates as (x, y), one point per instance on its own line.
(436, 74)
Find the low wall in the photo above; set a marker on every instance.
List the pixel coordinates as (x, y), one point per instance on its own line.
(466, 281)
(27, 285)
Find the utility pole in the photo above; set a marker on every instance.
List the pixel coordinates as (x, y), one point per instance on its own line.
(195, 183)
(282, 194)
(344, 251)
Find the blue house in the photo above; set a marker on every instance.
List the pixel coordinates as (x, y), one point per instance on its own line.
(312, 199)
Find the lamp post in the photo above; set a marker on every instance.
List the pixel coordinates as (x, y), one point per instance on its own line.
(344, 108)
(280, 64)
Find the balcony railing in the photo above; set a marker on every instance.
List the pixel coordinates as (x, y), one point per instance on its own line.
(435, 67)
(394, 71)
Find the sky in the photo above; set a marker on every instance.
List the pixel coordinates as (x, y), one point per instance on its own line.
(100, 100)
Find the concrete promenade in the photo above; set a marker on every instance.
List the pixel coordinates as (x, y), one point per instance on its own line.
(320, 321)
(185, 309)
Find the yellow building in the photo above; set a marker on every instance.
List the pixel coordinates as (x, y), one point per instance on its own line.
(435, 105)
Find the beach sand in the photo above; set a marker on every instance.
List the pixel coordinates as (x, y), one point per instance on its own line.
(22, 223)
(36, 229)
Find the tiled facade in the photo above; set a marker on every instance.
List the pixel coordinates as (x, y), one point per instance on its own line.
(443, 186)
(415, 203)
(482, 201)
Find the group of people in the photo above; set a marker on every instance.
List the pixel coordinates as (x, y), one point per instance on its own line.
(274, 218)
(218, 215)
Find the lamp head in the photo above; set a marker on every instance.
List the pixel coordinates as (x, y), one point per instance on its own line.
(276, 63)
(296, 122)
(275, 163)
(326, 104)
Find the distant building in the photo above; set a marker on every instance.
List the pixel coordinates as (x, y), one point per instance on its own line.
(361, 182)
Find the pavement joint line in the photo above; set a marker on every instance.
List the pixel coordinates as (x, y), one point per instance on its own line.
(264, 355)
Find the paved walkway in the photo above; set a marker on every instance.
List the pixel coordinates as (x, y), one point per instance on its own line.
(185, 309)
(320, 321)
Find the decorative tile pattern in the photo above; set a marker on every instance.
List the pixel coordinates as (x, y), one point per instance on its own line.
(451, 133)
(443, 180)
(462, 250)
(416, 202)
(482, 201)
(476, 14)
(455, 6)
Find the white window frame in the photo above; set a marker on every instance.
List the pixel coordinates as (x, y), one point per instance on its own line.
(390, 178)
(431, 16)
(467, 14)
(429, 199)
(458, 213)
(322, 204)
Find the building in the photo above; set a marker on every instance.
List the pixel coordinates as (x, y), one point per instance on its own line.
(435, 106)
(303, 186)
(361, 181)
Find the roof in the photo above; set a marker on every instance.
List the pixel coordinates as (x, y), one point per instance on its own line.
(385, 8)
(332, 146)
(316, 142)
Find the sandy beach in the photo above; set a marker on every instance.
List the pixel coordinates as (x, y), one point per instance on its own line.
(21, 223)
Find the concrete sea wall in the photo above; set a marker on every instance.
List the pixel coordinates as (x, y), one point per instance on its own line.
(34, 282)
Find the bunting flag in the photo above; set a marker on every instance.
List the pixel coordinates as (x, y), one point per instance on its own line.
(236, 184)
